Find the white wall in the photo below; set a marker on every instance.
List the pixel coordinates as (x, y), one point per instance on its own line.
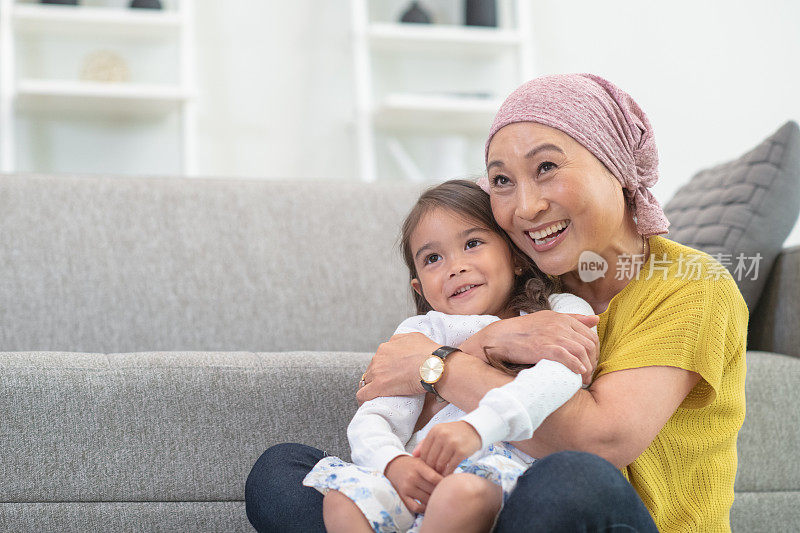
(276, 83)
(715, 78)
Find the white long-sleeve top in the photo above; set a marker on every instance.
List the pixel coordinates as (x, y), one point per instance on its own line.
(383, 428)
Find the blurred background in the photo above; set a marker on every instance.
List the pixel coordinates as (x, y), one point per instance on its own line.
(344, 90)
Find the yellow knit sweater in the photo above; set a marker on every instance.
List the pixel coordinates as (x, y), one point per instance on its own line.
(685, 476)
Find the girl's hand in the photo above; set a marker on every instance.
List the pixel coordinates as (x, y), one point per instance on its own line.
(561, 337)
(413, 480)
(447, 444)
(394, 369)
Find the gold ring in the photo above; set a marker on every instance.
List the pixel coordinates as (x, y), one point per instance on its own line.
(363, 381)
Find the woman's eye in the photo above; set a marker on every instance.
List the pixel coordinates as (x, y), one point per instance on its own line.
(499, 180)
(472, 243)
(545, 166)
(432, 258)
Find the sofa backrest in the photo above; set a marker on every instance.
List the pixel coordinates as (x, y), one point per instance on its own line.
(111, 264)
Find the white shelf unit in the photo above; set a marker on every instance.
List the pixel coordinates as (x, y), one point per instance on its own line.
(406, 81)
(40, 18)
(47, 96)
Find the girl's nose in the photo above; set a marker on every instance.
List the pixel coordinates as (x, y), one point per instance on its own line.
(457, 270)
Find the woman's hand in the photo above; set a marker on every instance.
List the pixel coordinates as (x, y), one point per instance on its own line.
(447, 444)
(413, 480)
(394, 369)
(562, 337)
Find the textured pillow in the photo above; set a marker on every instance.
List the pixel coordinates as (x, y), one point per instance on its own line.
(746, 206)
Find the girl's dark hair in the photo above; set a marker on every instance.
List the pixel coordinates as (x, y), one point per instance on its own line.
(466, 199)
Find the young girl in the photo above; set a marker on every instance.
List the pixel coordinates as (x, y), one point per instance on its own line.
(465, 274)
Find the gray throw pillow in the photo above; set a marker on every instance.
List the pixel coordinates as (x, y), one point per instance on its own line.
(743, 208)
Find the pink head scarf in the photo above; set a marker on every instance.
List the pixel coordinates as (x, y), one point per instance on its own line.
(606, 121)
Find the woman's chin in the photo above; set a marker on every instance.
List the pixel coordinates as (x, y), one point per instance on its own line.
(550, 264)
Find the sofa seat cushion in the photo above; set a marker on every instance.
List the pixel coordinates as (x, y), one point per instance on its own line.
(769, 441)
(163, 426)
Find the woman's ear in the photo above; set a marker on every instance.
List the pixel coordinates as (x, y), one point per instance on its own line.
(518, 271)
(417, 286)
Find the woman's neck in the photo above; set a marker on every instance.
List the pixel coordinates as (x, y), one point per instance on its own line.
(624, 258)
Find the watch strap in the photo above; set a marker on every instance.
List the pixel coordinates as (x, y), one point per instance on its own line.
(443, 351)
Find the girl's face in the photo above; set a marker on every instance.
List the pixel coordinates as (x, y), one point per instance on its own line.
(544, 182)
(462, 268)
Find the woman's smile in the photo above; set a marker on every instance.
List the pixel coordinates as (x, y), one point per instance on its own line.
(549, 238)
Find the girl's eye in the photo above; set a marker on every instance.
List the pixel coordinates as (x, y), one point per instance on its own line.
(499, 180)
(432, 259)
(472, 243)
(545, 166)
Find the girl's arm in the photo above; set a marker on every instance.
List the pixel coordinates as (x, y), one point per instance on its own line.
(380, 429)
(511, 412)
(515, 410)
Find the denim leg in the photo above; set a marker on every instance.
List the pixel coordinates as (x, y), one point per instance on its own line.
(574, 492)
(275, 498)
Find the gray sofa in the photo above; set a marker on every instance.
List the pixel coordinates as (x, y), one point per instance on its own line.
(157, 335)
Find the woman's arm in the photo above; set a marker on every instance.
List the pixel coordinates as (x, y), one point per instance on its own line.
(617, 417)
(565, 338)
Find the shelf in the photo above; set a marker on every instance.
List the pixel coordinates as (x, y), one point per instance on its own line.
(112, 98)
(79, 20)
(436, 113)
(448, 38)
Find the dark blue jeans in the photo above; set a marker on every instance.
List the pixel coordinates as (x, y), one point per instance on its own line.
(563, 492)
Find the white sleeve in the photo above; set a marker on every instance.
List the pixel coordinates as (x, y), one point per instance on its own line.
(381, 428)
(416, 324)
(515, 410)
(451, 330)
(565, 302)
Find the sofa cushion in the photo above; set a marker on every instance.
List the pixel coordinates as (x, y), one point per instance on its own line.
(743, 208)
(773, 324)
(126, 264)
(769, 440)
(163, 426)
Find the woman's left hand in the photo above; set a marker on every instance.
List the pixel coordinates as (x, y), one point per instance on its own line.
(447, 444)
(394, 369)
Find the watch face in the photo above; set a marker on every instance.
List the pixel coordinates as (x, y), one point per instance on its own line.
(431, 370)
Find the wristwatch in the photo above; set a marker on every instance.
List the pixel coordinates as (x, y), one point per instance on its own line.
(432, 369)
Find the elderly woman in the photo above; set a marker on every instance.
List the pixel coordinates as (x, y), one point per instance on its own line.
(652, 442)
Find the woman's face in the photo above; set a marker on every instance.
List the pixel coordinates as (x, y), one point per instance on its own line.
(552, 196)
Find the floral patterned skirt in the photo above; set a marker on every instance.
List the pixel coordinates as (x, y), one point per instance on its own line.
(374, 494)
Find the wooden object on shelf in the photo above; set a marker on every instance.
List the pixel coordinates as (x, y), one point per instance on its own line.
(105, 66)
